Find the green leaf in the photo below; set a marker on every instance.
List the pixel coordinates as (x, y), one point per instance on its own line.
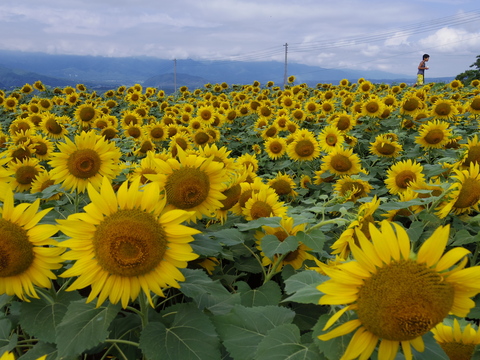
(463, 237)
(203, 245)
(228, 237)
(271, 246)
(7, 342)
(207, 293)
(40, 349)
(314, 239)
(39, 316)
(303, 286)
(189, 335)
(5, 299)
(244, 328)
(267, 294)
(255, 224)
(83, 327)
(432, 349)
(334, 348)
(415, 230)
(283, 342)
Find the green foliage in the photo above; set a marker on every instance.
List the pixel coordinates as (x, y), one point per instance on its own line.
(467, 76)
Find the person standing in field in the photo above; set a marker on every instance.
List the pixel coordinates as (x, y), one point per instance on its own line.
(421, 70)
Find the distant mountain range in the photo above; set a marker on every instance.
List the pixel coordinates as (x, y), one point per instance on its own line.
(18, 68)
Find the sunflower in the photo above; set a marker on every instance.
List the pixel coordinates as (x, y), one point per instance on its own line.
(443, 109)
(24, 172)
(401, 174)
(126, 242)
(86, 114)
(458, 344)
(351, 189)
(275, 147)
(232, 192)
(205, 114)
(330, 138)
(295, 258)
(404, 196)
(263, 204)
(43, 147)
(472, 154)
(221, 155)
(410, 105)
(373, 107)
(248, 160)
(383, 146)
(341, 162)
(43, 181)
(53, 126)
(433, 134)
(85, 161)
(284, 185)
(193, 183)
(474, 105)
(29, 254)
(364, 216)
(304, 146)
(397, 296)
(464, 193)
(343, 122)
(247, 189)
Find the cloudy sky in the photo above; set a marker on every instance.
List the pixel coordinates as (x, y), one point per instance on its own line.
(341, 34)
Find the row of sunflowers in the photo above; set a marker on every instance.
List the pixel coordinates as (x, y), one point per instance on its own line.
(240, 222)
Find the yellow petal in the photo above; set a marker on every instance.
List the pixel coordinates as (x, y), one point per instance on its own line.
(341, 330)
(433, 248)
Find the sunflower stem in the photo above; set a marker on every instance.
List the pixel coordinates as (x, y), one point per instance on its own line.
(120, 341)
(274, 270)
(327, 222)
(46, 296)
(258, 260)
(144, 306)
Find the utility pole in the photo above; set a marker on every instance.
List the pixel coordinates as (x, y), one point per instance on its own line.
(175, 74)
(285, 73)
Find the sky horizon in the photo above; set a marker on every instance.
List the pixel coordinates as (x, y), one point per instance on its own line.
(344, 34)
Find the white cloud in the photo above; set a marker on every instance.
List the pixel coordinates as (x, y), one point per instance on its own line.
(450, 40)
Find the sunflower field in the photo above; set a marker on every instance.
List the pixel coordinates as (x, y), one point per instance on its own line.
(240, 222)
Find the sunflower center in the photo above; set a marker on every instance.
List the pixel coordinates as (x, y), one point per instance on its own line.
(403, 300)
(26, 174)
(271, 132)
(434, 136)
(15, 249)
(331, 139)
(84, 163)
(475, 105)
(275, 147)
(340, 163)
(411, 104)
(87, 114)
(386, 148)
(187, 187)
(233, 195)
(260, 209)
(304, 148)
(157, 133)
(372, 107)
(129, 242)
(53, 127)
(343, 123)
(473, 155)
(443, 109)
(41, 148)
(469, 195)
(281, 187)
(281, 235)
(201, 137)
(458, 350)
(404, 178)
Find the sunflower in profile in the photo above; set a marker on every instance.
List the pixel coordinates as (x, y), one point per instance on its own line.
(275, 147)
(364, 216)
(85, 161)
(464, 195)
(458, 343)
(284, 185)
(351, 189)
(434, 134)
(263, 203)
(29, 254)
(23, 173)
(126, 242)
(304, 146)
(342, 162)
(248, 161)
(330, 138)
(443, 109)
(397, 296)
(383, 146)
(221, 155)
(401, 174)
(472, 153)
(295, 258)
(232, 192)
(193, 183)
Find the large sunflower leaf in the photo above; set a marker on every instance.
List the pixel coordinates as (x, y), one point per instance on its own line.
(314, 239)
(7, 341)
(284, 342)
(188, 335)
(207, 293)
(267, 294)
(41, 348)
(39, 316)
(303, 287)
(244, 328)
(271, 246)
(83, 327)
